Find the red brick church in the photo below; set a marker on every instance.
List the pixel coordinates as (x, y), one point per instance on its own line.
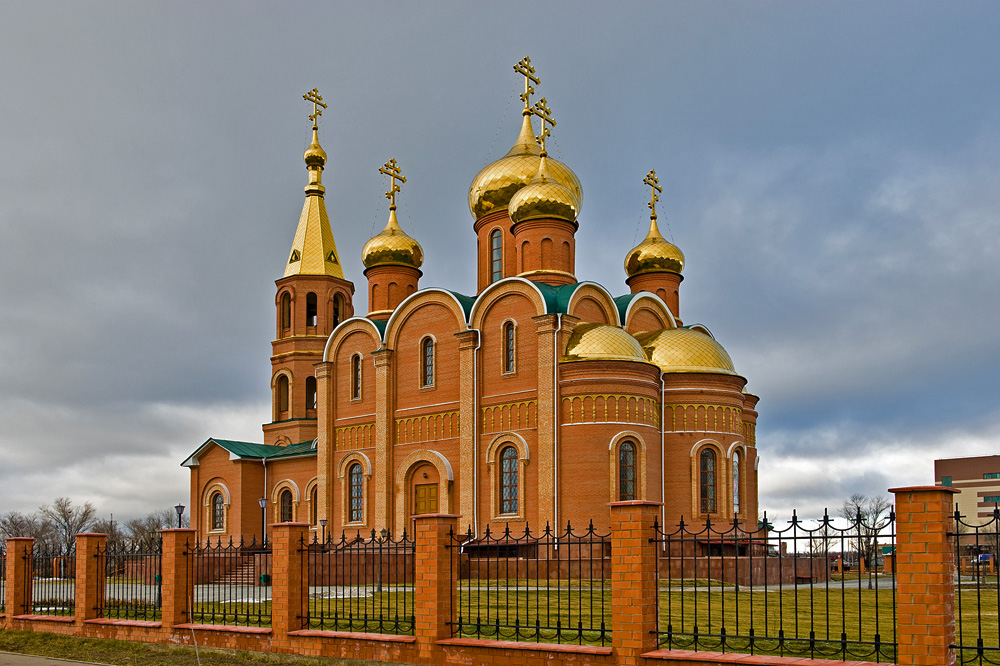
(538, 399)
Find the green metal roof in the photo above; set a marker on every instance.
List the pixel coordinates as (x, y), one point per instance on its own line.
(253, 451)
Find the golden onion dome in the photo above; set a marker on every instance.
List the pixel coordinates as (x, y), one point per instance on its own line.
(654, 254)
(315, 156)
(493, 187)
(392, 247)
(543, 197)
(686, 350)
(601, 342)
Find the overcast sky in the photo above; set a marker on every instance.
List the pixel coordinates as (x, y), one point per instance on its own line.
(830, 170)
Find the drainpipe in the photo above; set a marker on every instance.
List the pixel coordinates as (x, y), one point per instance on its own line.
(555, 424)
(663, 457)
(475, 433)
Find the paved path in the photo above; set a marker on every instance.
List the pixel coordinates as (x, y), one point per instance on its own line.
(13, 659)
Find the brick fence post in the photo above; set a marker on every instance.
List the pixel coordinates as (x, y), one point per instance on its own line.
(925, 570)
(633, 580)
(19, 587)
(176, 586)
(433, 584)
(289, 577)
(89, 576)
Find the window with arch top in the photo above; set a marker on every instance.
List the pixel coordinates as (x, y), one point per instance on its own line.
(218, 511)
(285, 506)
(736, 483)
(286, 311)
(337, 308)
(707, 482)
(508, 480)
(310, 393)
(356, 377)
(314, 506)
(312, 311)
(356, 483)
(427, 362)
(496, 255)
(282, 396)
(509, 334)
(626, 471)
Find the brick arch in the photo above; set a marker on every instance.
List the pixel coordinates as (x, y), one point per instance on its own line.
(644, 305)
(275, 410)
(498, 444)
(276, 497)
(412, 303)
(346, 328)
(445, 476)
(640, 463)
(722, 470)
(496, 291)
(597, 295)
(345, 488)
(214, 486)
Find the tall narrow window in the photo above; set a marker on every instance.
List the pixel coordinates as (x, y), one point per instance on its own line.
(218, 512)
(313, 506)
(736, 483)
(626, 471)
(282, 396)
(311, 309)
(496, 256)
(427, 362)
(285, 504)
(508, 347)
(508, 480)
(356, 377)
(708, 481)
(336, 310)
(357, 490)
(286, 310)
(310, 393)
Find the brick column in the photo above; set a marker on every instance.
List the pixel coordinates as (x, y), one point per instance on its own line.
(289, 577)
(925, 570)
(434, 584)
(89, 576)
(633, 580)
(382, 467)
(176, 586)
(19, 590)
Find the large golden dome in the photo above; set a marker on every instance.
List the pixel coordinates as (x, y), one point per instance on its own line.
(543, 197)
(600, 342)
(493, 187)
(392, 247)
(654, 254)
(686, 350)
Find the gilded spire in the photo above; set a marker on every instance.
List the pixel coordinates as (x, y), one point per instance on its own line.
(314, 251)
(392, 247)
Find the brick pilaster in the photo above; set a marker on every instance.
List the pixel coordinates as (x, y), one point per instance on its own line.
(633, 580)
(434, 584)
(326, 407)
(19, 590)
(177, 586)
(925, 570)
(89, 576)
(289, 577)
(468, 343)
(383, 467)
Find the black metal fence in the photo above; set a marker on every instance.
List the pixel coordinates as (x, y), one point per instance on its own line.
(231, 582)
(132, 580)
(550, 588)
(3, 577)
(977, 597)
(364, 583)
(50, 573)
(817, 589)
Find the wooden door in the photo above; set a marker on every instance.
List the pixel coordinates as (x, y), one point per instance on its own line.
(426, 495)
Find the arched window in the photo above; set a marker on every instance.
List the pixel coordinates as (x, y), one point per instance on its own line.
(508, 347)
(496, 256)
(356, 377)
(310, 393)
(218, 512)
(508, 480)
(282, 396)
(336, 310)
(311, 309)
(626, 471)
(427, 362)
(286, 311)
(356, 483)
(285, 504)
(736, 483)
(313, 506)
(707, 481)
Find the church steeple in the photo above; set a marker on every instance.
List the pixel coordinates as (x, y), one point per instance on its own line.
(655, 264)
(314, 252)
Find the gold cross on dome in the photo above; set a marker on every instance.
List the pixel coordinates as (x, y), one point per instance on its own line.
(654, 183)
(317, 102)
(542, 110)
(393, 171)
(525, 69)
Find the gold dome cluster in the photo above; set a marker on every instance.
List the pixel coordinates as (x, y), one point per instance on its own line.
(686, 350)
(392, 247)
(654, 254)
(601, 342)
(544, 197)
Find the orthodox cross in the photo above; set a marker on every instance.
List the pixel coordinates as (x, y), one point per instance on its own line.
(390, 169)
(542, 110)
(317, 102)
(525, 69)
(654, 183)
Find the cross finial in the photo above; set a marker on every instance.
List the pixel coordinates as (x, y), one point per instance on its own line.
(317, 102)
(525, 69)
(542, 110)
(393, 171)
(654, 183)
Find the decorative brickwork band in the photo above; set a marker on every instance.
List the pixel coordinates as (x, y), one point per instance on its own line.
(18, 559)
(925, 576)
(433, 585)
(89, 576)
(177, 587)
(633, 580)
(290, 579)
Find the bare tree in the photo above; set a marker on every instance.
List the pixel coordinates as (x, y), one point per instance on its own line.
(867, 515)
(67, 519)
(111, 527)
(17, 524)
(146, 528)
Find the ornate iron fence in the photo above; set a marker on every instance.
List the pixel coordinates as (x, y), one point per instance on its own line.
(813, 589)
(231, 582)
(364, 583)
(132, 580)
(50, 573)
(550, 588)
(977, 597)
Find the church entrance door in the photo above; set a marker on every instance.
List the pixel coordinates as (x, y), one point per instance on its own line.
(426, 498)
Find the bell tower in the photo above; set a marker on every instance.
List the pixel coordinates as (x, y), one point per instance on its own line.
(312, 299)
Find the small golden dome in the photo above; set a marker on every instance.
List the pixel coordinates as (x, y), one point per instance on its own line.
(686, 350)
(315, 156)
(543, 197)
(493, 187)
(600, 342)
(392, 247)
(654, 254)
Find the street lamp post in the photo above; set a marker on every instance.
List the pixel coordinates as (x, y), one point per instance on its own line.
(180, 512)
(322, 523)
(263, 519)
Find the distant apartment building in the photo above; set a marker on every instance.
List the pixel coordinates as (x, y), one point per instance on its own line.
(978, 481)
